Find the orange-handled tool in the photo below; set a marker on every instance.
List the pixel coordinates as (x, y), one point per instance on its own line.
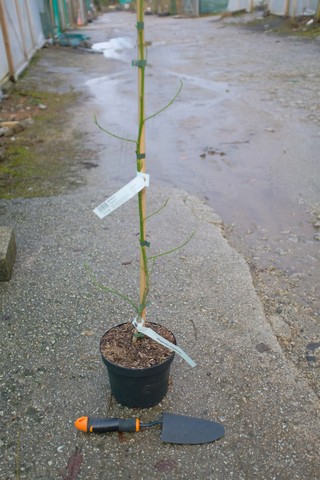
(103, 425)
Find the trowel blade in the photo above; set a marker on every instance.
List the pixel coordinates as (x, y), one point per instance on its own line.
(189, 430)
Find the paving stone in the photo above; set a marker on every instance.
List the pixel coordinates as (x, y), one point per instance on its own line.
(7, 253)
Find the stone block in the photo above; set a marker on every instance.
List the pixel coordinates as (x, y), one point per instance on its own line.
(7, 253)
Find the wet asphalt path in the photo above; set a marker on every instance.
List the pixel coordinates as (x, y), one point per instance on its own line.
(243, 135)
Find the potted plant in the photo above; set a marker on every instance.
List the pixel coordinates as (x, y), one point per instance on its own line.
(138, 354)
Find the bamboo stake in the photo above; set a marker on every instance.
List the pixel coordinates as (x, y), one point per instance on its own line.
(141, 161)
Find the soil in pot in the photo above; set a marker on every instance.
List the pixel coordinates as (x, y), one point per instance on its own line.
(117, 346)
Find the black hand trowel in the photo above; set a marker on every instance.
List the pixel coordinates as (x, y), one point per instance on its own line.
(175, 428)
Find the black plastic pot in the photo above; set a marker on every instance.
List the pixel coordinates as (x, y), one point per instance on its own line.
(139, 387)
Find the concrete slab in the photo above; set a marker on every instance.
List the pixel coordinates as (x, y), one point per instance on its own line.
(52, 371)
(7, 253)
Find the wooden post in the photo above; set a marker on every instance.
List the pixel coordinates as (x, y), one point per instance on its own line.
(21, 30)
(286, 8)
(6, 41)
(31, 26)
(317, 15)
(295, 6)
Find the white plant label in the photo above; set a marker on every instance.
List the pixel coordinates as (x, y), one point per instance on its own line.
(163, 341)
(123, 195)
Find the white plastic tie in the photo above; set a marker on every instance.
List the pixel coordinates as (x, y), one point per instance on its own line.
(158, 338)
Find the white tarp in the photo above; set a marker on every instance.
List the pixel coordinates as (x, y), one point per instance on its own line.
(237, 5)
(295, 7)
(277, 7)
(114, 48)
(21, 29)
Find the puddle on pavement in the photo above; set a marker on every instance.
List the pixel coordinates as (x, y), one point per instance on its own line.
(236, 157)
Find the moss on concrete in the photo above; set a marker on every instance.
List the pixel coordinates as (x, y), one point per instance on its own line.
(42, 159)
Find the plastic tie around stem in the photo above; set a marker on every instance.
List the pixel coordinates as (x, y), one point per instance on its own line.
(145, 243)
(138, 335)
(139, 63)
